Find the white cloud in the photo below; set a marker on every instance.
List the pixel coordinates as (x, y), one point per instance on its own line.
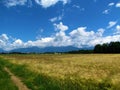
(111, 24)
(80, 31)
(100, 32)
(118, 4)
(17, 43)
(43, 42)
(3, 40)
(10, 3)
(80, 37)
(109, 9)
(4, 37)
(61, 27)
(43, 3)
(76, 6)
(61, 39)
(56, 18)
(117, 29)
(48, 3)
(111, 4)
(106, 39)
(7, 43)
(106, 11)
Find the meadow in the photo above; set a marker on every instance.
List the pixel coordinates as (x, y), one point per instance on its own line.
(65, 71)
(5, 81)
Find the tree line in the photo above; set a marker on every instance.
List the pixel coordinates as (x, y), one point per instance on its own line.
(112, 47)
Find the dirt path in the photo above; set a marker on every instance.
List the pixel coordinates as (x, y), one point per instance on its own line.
(16, 80)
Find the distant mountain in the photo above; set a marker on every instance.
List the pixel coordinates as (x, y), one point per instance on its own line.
(46, 49)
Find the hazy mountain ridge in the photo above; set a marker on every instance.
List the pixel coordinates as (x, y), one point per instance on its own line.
(45, 49)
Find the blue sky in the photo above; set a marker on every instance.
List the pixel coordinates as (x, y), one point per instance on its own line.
(42, 23)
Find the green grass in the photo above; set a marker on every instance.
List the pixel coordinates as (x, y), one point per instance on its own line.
(67, 72)
(5, 81)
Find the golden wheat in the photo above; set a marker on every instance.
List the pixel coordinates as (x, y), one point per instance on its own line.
(88, 66)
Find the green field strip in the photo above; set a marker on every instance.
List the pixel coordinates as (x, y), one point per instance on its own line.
(5, 80)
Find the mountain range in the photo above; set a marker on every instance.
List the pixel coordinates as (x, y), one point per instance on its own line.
(43, 50)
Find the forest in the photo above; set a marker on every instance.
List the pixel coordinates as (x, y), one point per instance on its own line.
(112, 47)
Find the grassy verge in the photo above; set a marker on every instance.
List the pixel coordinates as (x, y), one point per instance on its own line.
(5, 81)
(40, 81)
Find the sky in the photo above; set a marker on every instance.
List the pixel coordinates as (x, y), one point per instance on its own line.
(44, 23)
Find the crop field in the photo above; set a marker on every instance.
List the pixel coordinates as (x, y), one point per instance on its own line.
(65, 71)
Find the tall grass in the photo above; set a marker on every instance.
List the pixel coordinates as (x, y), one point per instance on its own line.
(5, 80)
(67, 72)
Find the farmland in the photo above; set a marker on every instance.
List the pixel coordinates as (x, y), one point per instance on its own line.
(65, 71)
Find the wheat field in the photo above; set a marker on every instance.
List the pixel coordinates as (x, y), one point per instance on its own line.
(96, 67)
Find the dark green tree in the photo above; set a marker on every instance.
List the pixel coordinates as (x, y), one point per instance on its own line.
(112, 47)
(98, 49)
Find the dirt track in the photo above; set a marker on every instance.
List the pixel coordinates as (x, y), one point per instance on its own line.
(16, 80)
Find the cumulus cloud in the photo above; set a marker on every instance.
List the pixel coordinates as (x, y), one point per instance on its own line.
(60, 37)
(10, 3)
(3, 40)
(117, 29)
(8, 43)
(76, 6)
(48, 3)
(106, 39)
(100, 32)
(111, 4)
(109, 9)
(4, 37)
(118, 4)
(106, 11)
(111, 24)
(61, 27)
(18, 42)
(43, 3)
(54, 19)
(80, 37)
(43, 42)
